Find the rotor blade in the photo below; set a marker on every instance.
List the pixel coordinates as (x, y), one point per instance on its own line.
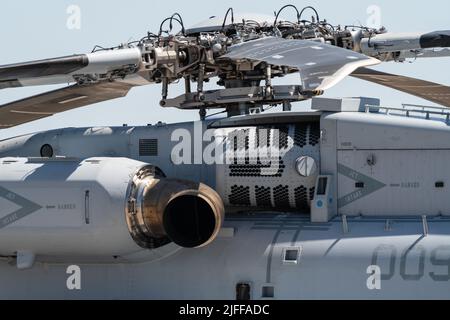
(53, 102)
(321, 66)
(430, 91)
(10, 74)
(98, 65)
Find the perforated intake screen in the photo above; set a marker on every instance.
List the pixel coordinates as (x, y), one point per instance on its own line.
(148, 147)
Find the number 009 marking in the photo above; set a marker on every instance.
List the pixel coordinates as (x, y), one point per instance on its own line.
(440, 257)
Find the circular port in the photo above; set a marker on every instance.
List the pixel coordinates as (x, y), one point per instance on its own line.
(47, 151)
(190, 221)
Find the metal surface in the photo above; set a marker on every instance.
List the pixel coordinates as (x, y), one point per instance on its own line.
(321, 66)
(266, 119)
(80, 197)
(423, 89)
(361, 189)
(412, 267)
(42, 68)
(437, 39)
(306, 166)
(215, 23)
(149, 218)
(91, 67)
(50, 103)
(242, 53)
(58, 217)
(254, 95)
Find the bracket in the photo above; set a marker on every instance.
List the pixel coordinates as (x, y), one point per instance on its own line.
(225, 98)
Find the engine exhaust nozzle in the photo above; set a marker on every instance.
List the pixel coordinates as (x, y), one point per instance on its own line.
(187, 213)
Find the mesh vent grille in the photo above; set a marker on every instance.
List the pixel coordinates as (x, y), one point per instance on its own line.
(263, 197)
(283, 135)
(247, 171)
(240, 140)
(300, 135)
(148, 147)
(307, 133)
(314, 134)
(281, 195)
(263, 133)
(312, 191)
(240, 196)
(255, 170)
(301, 198)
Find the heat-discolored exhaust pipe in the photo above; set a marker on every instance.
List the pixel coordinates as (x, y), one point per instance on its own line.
(189, 214)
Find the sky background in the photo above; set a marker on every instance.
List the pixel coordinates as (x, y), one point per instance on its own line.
(31, 30)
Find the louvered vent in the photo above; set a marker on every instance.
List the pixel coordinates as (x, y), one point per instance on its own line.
(148, 147)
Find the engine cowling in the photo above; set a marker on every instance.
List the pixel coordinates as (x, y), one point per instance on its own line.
(89, 208)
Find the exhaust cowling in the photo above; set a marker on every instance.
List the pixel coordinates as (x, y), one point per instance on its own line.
(100, 209)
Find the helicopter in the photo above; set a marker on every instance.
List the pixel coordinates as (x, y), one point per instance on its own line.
(331, 203)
